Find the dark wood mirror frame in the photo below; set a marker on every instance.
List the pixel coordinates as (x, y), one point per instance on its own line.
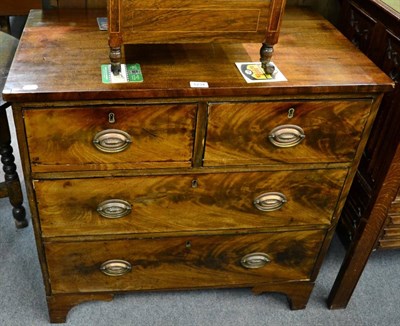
(223, 21)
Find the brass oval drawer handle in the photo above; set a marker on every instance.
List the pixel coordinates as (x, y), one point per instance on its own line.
(270, 201)
(112, 140)
(286, 135)
(114, 208)
(255, 260)
(115, 267)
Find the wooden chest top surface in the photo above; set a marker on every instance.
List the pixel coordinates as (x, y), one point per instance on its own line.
(60, 55)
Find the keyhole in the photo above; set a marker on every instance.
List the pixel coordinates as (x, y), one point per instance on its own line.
(188, 245)
(290, 113)
(195, 183)
(111, 117)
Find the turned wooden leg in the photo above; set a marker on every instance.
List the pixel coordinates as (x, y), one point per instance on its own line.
(266, 52)
(12, 183)
(60, 304)
(115, 59)
(298, 293)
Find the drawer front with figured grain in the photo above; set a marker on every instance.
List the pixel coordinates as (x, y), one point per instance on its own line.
(106, 138)
(284, 132)
(187, 202)
(182, 262)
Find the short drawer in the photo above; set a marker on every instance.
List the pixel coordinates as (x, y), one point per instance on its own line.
(182, 262)
(284, 132)
(171, 203)
(110, 137)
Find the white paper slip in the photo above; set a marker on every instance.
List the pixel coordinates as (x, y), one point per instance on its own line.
(197, 84)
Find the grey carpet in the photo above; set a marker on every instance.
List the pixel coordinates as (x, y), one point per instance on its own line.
(22, 297)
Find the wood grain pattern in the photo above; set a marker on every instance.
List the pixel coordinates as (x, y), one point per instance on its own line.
(171, 204)
(186, 262)
(201, 128)
(192, 21)
(162, 136)
(237, 133)
(165, 67)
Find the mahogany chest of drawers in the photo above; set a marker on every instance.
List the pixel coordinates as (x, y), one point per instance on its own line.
(158, 185)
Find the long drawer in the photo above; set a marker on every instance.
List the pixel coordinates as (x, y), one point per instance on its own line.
(182, 262)
(284, 132)
(106, 138)
(165, 203)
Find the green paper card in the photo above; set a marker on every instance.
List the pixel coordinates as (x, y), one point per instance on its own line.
(130, 73)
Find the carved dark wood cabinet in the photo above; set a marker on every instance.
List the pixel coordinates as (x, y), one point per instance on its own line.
(371, 215)
(375, 29)
(194, 21)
